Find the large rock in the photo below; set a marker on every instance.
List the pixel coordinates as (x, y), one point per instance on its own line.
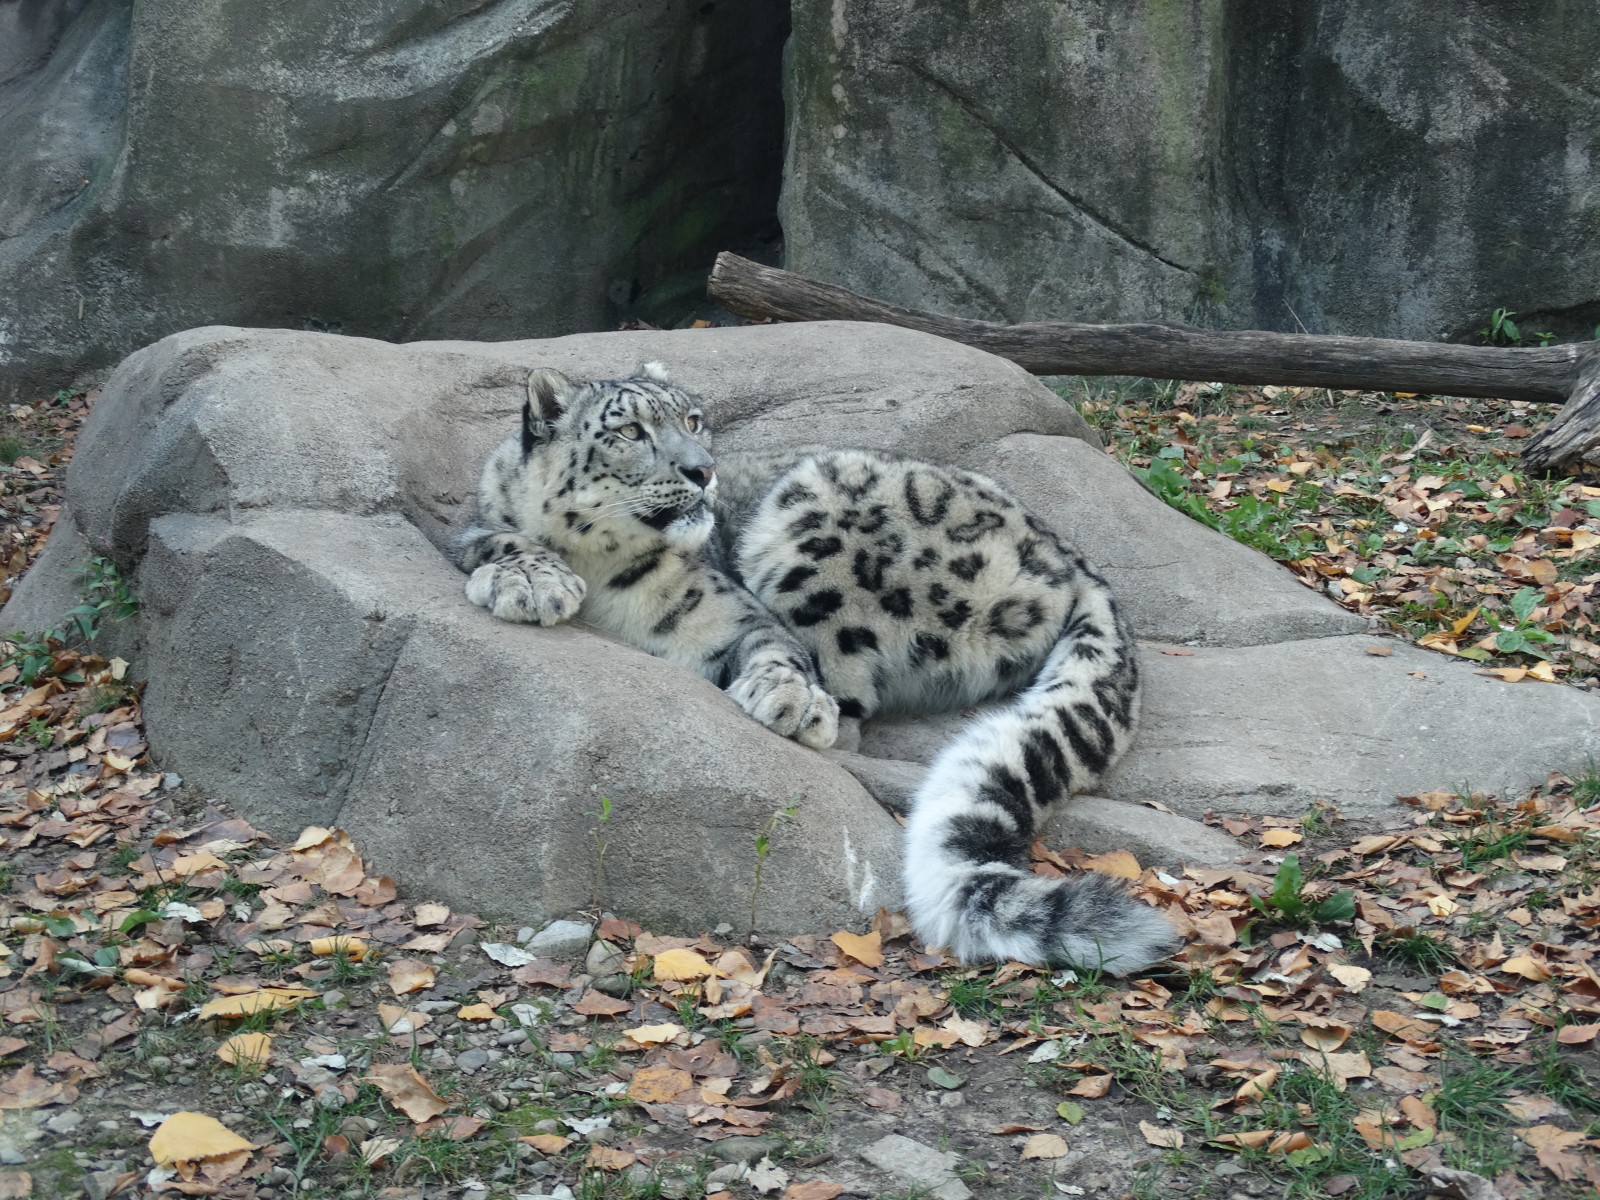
(1354, 166)
(281, 500)
(410, 169)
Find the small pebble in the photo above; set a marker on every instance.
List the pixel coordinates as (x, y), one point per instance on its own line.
(64, 1123)
(472, 1060)
(333, 999)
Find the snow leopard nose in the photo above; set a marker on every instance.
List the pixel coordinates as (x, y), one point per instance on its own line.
(699, 476)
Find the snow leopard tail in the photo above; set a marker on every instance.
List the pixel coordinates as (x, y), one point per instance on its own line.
(968, 886)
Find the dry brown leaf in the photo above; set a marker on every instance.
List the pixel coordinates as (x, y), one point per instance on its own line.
(812, 1189)
(193, 1137)
(25, 1090)
(1282, 837)
(608, 1159)
(598, 1004)
(407, 975)
(1418, 1113)
(1047, 1145)
(1577, 1035)
(1119, 863)
(1091, 1087)
(476, 1012)
(865, 949)
(1167, 1139)
(407, 1091)
(1553, 1146)
(15, 1185)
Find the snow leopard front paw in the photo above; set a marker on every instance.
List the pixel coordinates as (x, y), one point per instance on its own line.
(788, 703)
(527, 589)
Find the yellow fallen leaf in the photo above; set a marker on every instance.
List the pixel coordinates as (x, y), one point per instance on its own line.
(1120, 863)
(477, 1012)
(352, 947)
(608, 1159)
(1526, 966)
(407, 975)
(1282, 837)
(1253, 1088)
(681, 964)
(192, 1137)
(654, 1035)
(1509, 674)
(973, 1033)
(548, 1143)
(407, 1091)
(658, 1085)
(1543, 672)
(249, 1050)
(374, 1150)
(1045, 1145)
(193, 864)
(116, 762)
(1441, 906)
(1327, 1038)
(312, 835)
(1167, 1139)
(430, 914)
(263, 1000)
(865, 949)
(397, 1020)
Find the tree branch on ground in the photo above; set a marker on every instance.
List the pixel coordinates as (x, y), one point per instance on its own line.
(1567, 375)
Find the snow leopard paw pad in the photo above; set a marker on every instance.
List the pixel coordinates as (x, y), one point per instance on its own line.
(787, 703)
(525, 589)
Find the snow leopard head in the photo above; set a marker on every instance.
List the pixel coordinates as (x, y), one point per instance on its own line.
(628, 456)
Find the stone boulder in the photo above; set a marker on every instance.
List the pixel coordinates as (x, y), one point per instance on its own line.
(405, 170)
(281, 501)
(1343, 166)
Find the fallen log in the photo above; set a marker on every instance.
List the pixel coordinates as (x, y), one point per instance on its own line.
(1567, 375)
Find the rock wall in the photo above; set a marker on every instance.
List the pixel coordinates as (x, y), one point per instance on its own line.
(1380, 167)
(406, 169)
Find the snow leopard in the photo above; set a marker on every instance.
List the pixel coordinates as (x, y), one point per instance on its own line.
(815, 585)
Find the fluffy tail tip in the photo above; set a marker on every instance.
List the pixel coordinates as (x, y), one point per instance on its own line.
(999, 913)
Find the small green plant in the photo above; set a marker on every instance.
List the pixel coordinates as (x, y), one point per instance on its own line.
(104, 597)
(1286, 903)
(12, 448)
(763, 848)
(1519, 635)
(602, 819)
(1503, 331)
(1427, 954)
(903, 1045)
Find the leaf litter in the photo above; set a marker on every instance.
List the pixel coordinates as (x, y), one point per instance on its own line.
(1441, 1017)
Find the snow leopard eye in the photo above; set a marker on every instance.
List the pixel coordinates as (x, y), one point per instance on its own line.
(694, 422)
(631, 431)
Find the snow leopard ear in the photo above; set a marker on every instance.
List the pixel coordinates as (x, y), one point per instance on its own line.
(654, 372)
(548, 392)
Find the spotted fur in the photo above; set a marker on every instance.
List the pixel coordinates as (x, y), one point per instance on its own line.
(842, 582)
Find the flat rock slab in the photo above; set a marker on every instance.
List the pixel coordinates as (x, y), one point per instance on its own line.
(280, 501)
(1274, 729)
